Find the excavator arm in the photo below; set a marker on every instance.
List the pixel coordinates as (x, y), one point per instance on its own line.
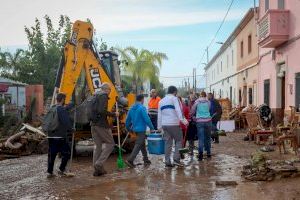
(80, 55)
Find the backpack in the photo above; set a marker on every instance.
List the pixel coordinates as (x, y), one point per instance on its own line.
(51, 122)
(92, 104)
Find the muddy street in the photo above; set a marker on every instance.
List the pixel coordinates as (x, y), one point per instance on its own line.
(25, 178)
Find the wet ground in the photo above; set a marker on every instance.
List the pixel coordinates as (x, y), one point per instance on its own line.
(24, 178)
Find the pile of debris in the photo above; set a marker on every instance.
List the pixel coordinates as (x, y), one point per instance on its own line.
(261, 169)
(27, 141)
(226, 108)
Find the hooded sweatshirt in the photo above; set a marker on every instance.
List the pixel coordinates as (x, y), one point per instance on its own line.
(201, 110)
(137, 119)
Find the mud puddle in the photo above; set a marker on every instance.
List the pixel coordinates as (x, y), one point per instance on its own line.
(195, 181)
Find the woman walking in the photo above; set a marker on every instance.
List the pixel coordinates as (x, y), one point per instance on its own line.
(203, 120)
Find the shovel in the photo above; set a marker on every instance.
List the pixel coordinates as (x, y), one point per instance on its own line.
(120, 161)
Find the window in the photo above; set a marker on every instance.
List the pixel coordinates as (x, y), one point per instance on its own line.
(266, 5)
(240, 96)
(232, 58)
(221, 66)
(249, 44)
(227, 61)
(280, 4)
(267, 92)
(242, 49)
(230, 93)
(250, 95)
(297, 92)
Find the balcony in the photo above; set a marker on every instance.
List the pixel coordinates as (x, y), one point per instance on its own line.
(273, 28)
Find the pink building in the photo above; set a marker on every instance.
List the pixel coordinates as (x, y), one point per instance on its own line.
(279, 55)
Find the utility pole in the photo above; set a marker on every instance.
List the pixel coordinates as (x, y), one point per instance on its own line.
(195, 80)
(207, 57)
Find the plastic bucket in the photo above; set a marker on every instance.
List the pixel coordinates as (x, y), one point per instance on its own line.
(156, 144)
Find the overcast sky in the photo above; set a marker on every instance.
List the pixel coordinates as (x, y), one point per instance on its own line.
(179, 28)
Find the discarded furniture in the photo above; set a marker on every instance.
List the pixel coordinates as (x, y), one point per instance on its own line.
(288, 135)
(226, 108)
(256, 130)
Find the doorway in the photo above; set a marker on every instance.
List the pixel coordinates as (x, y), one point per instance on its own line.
(245, 96)
(283, 93)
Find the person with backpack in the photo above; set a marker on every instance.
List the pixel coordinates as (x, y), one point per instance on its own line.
(216, 113)
(202, 115)
(137, 121)
(168, 120)
(57, 124)
(100, 128)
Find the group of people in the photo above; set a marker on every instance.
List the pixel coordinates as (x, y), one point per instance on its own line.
(179, 120)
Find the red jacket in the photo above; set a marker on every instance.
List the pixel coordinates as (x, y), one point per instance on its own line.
(186, 113)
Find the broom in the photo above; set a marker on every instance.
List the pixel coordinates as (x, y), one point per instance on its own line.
(120, 162)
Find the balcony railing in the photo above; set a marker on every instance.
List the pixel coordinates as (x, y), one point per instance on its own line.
(273, 28)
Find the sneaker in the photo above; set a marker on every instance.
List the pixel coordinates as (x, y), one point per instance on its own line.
(170, 165)
(147, 162)
(208, 156)
(65, 174)
(50, 175)
(129, 163)
(178, 163)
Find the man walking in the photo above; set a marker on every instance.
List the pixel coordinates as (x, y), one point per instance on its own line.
(216, 113)
(203, 119)
(168, 119)
(101, 131)
(58, 141)
(153, 107)
(137, 121)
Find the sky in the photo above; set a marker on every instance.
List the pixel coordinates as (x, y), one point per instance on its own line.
(180, 28)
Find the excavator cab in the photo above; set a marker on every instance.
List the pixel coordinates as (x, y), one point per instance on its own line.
(110, 62)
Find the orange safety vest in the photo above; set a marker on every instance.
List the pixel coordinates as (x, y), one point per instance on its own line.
(153, 103)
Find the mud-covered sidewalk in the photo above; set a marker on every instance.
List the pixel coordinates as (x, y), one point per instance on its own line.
(25, 178)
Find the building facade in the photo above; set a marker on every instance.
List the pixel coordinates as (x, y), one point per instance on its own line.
(232, 72)
(279, 47)
(247, 60)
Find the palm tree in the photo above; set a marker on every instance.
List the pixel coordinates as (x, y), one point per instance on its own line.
(10, 63)
(143, 65)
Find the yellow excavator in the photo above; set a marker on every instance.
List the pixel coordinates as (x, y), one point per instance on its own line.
(81, 72)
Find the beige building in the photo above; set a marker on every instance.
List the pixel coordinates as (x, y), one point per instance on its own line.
(247, 60)
(232, 72)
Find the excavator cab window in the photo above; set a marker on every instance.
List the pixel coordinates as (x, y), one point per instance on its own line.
(110, 63)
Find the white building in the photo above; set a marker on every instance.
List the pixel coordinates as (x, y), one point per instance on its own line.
(232, 72)
(220, 72)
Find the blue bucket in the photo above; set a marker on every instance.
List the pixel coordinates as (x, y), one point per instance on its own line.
(156, 144)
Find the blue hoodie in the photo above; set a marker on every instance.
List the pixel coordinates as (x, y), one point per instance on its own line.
(137, 119)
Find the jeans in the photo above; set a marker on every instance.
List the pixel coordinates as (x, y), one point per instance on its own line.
(214, 130)
(139, 146)
(57, 145)
(204, 134)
